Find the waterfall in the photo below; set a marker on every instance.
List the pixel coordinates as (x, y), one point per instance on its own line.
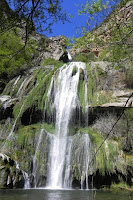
(86, 99)
(65, 102)
(14, 124)
(12, 129)
(25, 175)
(21, 86)
(69, 56)
(62, 157)
(16, 81)
(26, 180)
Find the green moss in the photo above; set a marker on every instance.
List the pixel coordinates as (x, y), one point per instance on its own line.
(81, 93)
(40, 74)
(25, 145)
(121, 186)
(96, 75)
(52, 61)
(91, 84)
(101, 155)
(7, 89)
(107, 158)
(17, 111)
(95, 137)
(34, 98)
(49, 128)
(74, 71)
(35, 92)
(25, 133)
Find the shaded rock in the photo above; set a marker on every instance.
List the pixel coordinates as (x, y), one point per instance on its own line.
(10, 176)
(31, 116)
(7, 104)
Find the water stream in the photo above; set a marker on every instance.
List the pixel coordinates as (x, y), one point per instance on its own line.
(65, 102)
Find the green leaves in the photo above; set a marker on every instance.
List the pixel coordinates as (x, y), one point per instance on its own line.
(13, 58)
(91, 8)
(40, 13)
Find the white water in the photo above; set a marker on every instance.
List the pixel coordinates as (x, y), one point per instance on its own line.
(69, 56)
(68, 165)
(65, 101)
(25, 175)
(13, 126)
(21, 86)
(12, 129)
(5, 105)
(16, 81)
(26, 180)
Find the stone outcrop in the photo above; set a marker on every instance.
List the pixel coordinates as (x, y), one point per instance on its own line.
(10, 176)
(54, 47)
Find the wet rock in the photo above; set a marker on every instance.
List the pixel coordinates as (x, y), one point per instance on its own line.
(10, 176)
(4, 98)
(31, 116)
(6, 106)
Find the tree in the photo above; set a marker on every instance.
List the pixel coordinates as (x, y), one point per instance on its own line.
(32, 15)
(18, 19)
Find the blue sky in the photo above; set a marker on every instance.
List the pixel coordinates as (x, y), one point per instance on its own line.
(69, 29)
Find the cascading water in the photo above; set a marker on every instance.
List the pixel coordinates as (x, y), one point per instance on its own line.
(26, 178)
(12, 129)
(21, 86)
(16, 81)
(14, 124)
(65, 102)
(69, 56)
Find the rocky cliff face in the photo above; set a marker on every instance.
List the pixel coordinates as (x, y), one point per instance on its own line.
(53, 47)
(27, 136)
(106, 34)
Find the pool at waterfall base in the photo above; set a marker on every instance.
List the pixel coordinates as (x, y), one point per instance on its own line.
(44, 194)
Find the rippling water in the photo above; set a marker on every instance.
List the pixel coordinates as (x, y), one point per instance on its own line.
(42, 194)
